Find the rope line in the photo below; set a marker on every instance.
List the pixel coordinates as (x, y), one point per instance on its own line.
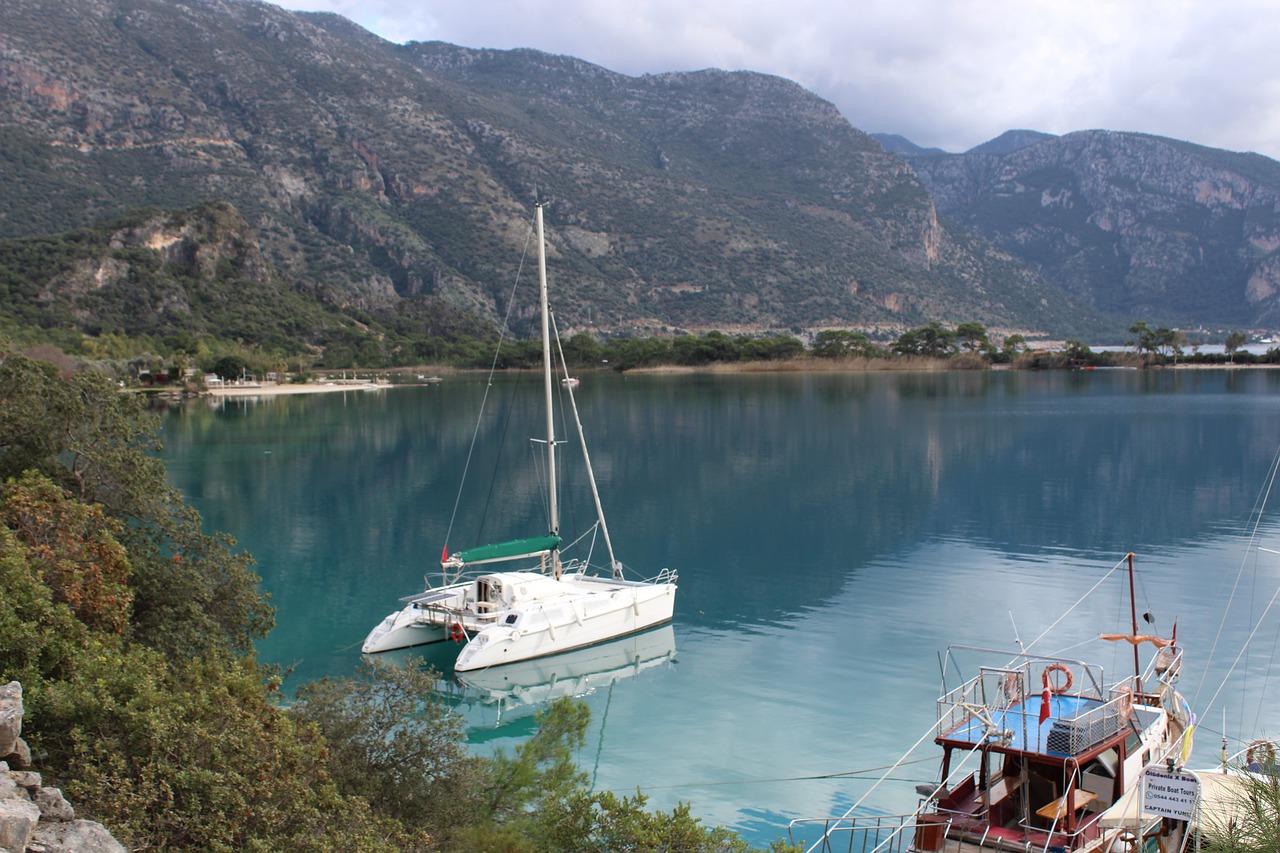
(1263, 496)
(844, 774)
(493, 369)
(1079, 601)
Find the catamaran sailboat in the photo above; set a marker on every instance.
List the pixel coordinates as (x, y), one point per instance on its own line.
(543, 606)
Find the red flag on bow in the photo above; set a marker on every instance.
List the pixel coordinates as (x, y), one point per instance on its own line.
(1044, 706)
(444, 554)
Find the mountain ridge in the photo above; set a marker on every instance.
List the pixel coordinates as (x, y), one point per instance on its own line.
(373, 173)
(395, 181)
(1133, 224)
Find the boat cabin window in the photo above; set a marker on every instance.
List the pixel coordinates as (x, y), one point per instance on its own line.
(1106, 763)
(511, 618)
(1132, 742)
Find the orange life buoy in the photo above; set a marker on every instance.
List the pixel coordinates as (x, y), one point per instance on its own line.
(1264, 749)
(1066, 685)
(1011, 686)
(456, 633)
(1124, 703)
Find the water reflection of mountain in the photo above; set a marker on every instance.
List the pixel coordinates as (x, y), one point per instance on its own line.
(814, 476)
(767, 492)
(1103, 465)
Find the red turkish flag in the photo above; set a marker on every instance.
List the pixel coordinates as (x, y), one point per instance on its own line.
(1044, 706)
(444, 554)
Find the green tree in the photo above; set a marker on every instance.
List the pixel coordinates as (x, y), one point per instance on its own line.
(706, 349)
(931, 341)
(1145, 340)
(1077, 352)
(183, 756)
(230, 367)
(1014, 344)
(1157, 343)
(1249, 822)
(74, 549)
(1235, 341)
(582, 350)
(840, 343)
(394, 743)
(1010, 348)
(628, 353)
(539, 792)
(972, 337)
(769, 348)
(192, 592)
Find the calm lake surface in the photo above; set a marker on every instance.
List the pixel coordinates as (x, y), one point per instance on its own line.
(833, 534)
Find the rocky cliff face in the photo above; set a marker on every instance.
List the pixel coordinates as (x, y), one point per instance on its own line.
(1136, 225)
(372, 173)
(199, 271)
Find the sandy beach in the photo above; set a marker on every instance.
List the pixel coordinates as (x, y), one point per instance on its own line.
(274, 389)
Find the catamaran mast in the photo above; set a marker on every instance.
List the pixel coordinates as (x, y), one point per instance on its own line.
(552, 507)
(1133, 614)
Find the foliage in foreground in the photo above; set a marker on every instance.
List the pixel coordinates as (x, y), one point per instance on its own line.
(1250, 823)
(191, 594)
(394, 743)
(131, 632)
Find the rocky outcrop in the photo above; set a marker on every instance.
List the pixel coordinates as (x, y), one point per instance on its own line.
(1137, 225)
(35, 818)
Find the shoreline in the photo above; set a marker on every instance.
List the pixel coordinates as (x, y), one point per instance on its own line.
(273, 389)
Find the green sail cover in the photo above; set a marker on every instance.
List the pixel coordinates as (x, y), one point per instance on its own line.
(508, 550)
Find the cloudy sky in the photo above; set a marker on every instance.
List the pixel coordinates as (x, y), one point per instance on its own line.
(945, 73)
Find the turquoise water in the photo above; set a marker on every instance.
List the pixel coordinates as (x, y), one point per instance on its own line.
(833, 534)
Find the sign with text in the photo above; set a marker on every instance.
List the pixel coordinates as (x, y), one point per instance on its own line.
(1169, 794)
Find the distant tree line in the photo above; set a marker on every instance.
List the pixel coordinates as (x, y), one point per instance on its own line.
(966, 346)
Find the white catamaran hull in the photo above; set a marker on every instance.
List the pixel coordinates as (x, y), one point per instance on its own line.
(420, 622)
(581, 618)
(401, 630)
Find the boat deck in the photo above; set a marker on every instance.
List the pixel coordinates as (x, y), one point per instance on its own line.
(1074, 724)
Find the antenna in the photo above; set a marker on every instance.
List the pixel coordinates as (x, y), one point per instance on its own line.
(1016, 638)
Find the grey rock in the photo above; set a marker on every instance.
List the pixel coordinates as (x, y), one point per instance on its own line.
(77, 836)
(54, 806)
(21, 755)
(26, 779)
(18, 819)
(10, 717)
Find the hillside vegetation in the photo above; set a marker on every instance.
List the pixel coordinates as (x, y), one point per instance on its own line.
(348, 201)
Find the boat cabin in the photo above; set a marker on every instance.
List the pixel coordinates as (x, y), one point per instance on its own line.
(502, 590)
(1053, 751)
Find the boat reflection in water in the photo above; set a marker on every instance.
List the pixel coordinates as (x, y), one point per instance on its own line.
(490, 697)
(535, 683)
